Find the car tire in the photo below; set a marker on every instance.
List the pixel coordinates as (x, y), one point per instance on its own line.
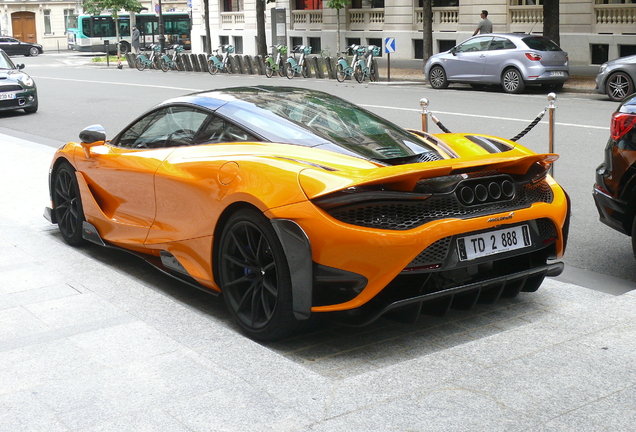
(33, 51)
(252, 271)
(437, 77)
(340, 73)
(512, 81)
(32, 109)
(618, 86)
(67, 204)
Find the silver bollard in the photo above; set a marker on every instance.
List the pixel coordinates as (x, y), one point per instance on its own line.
(424, 105)
(551, 107)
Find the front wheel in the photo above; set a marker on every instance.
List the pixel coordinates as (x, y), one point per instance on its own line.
(163, 63)
(254, 277)
(67, 204)
(437, 78)
(618, 86)
(341, 75)
(374, 76)
(33, 51)
(358, 73)
(140, 64)
(290, 71)
(212, 67)
(512, 81)
(304, 70)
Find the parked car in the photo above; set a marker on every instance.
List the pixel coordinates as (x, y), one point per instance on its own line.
(17, 88)
(616, 78)
(12, 46)
(292, 203)
(511, 60)
(615, 189)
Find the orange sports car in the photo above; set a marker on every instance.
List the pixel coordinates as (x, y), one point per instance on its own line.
(293, 203)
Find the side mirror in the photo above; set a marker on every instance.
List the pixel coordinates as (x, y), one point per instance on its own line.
(453, 50)
(20, 66)
(92, 136)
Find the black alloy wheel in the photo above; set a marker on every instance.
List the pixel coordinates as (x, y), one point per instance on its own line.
(67, 203)
(254, 277)
(619, 85)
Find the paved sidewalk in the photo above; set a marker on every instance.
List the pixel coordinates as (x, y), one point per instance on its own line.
(94, 340)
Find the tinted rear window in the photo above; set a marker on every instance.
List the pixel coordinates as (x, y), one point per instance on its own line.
(541, 44)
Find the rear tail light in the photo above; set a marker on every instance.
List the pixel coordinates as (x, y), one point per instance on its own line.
(621, 124)
(533, 56)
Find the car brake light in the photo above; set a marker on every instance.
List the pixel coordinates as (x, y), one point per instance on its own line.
(533, 56)
(621, 124)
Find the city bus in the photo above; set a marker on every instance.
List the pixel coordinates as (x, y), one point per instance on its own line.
(94, 30)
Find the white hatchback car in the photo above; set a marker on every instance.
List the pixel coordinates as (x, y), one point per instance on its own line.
(512, 60)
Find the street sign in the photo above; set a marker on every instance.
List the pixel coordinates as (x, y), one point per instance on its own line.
(157, 8)
(389, 45)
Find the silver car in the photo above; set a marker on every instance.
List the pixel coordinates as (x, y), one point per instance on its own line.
(616, 78)
(512, 60)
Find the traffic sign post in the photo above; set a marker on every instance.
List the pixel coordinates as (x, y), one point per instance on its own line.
(389, 47)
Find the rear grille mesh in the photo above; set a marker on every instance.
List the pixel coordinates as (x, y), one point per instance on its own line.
(409, 214)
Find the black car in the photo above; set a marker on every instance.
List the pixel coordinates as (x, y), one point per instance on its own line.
(615, 188)
(17, 88)
(12, 46)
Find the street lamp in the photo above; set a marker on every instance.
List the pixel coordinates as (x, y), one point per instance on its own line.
(162, 37)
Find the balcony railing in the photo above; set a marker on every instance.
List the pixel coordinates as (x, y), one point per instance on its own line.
(615, 14)
(232, 20)
(306, 19)
(526, 18)
(365, 19)
(444, 18)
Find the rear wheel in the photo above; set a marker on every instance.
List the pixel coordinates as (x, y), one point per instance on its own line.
(618, 86)
(213, 68)
(340, 73)
(140, 64)
(512, 81)
(254, 277)
(290, 71)
(437, 77)
(67, 204)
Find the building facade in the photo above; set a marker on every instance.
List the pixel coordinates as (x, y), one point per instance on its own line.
(592, 31)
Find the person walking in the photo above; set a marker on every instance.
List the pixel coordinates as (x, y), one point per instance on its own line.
(485, 25)
(135, 39)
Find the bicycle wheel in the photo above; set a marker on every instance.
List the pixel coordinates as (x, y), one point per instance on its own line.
(228, 66)
(374, 76)
(282, 69)
(163, 63)
(212, 68)
(341, 75)
(304, 70)
(358, 74)
(268, 70)
(140, 64)
(291, 71)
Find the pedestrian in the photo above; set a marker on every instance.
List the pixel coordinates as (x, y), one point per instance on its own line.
(135, 39)
(485, 25)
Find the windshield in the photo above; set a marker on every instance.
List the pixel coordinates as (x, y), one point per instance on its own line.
(335, 120)
(5, 61)
(541, 44)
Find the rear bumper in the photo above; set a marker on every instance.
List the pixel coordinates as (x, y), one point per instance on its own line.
(612, 212)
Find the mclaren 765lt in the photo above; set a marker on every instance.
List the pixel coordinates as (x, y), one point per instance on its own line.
(293, 203)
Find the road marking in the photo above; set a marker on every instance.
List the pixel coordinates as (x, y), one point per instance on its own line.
(486, 117)
(120, 83)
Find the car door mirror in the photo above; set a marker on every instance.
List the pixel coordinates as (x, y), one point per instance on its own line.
(453, 50)
(92, 136)
(20, 66)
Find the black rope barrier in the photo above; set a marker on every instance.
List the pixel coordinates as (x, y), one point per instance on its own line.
(439, 124)
(530, 126)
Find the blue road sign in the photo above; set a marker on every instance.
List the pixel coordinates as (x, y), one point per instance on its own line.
(389, 45)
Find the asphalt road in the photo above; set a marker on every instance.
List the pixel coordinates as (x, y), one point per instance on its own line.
(74, 94)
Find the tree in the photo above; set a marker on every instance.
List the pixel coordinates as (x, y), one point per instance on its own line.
(551, 20)
(427, 18)
(337, 5)
(261, 41)
(208, 33)
(96, 7)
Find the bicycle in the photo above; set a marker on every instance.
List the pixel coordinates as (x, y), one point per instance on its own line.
(278, 65)
(365, 66)
(166, 63)
(142, 62)
(215, 64)
(300, 66)
(343, 70)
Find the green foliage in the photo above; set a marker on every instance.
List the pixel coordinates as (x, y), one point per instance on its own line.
(337, 4)
(96, 7)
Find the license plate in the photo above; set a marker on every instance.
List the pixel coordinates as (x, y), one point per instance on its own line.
(557, 73)
(493, 242)
(7, 96)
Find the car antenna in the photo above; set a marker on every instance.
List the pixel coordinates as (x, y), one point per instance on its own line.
(530, 32)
